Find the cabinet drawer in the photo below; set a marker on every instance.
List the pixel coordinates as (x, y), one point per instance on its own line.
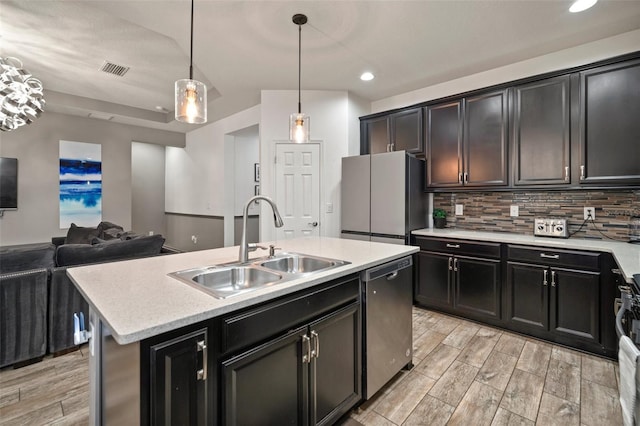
(553, 257)
(470, 248)
(256, 324)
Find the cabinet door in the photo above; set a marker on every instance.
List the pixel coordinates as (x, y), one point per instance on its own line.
(527, 297)
(178, 386)
(268, 384)
(477, 287)
(406, 131)
(609, 124)
(377, 135)
(433, 288)
(335, 379)
(485, 140)
(444, 144)
(541, 132)
(575, 304)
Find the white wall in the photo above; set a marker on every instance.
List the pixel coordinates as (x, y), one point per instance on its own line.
(247, 153)
(580, 55)
(195, 175)
(329, 112)
(37, 148)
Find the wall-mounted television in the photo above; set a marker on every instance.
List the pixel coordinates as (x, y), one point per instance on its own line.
(8, 183)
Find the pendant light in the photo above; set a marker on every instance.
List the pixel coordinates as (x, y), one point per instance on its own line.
(191, 95)
(299, 123)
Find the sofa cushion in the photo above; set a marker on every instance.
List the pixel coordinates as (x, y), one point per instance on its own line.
(109, 230)
(26, 256)
(78, 254)
(81, 234)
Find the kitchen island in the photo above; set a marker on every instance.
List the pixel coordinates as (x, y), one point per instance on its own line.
(142, 322)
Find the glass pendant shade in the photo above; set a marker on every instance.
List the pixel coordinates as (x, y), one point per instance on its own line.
(299, 125)
(191, 101)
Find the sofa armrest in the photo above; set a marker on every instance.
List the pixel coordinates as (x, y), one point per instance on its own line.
(23, 315)
(58, 241)
(64, 301)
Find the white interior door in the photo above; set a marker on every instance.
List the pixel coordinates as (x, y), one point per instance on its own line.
(298, 189)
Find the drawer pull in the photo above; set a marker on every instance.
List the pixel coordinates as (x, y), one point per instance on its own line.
(550, 256)
(453, 245)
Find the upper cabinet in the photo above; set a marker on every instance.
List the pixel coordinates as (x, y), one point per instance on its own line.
(541, 121)
(400, 131)
(610, 124)
(467, 142)
(576, 128)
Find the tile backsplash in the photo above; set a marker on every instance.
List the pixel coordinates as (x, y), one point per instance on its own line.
(489, 211)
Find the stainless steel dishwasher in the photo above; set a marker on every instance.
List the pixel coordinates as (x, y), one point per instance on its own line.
(388, 296)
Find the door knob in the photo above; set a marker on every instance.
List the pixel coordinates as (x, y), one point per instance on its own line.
(313, 223)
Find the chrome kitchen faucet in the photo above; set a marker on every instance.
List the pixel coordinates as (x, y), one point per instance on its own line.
(277, 220)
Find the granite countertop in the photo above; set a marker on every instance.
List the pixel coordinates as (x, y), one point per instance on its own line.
(626, 255)
(137, 299)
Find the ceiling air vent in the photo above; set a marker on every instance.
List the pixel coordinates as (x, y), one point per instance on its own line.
(115, 69)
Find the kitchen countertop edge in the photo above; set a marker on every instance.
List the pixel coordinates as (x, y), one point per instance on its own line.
(109, 287)
(626, 255)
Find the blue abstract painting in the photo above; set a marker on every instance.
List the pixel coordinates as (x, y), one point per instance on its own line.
(80, 184)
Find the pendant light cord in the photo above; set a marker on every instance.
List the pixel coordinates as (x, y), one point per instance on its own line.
(299, 65)
(191, 48)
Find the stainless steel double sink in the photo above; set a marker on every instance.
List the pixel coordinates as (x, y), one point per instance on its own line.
(232, 279)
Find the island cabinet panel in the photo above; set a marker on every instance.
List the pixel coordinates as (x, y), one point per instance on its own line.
(541, 124)
(178, 380)
(452, 281)
(548, 300)
(296, 360)
(609, 125)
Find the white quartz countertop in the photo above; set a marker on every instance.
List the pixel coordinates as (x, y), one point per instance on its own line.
(626, 255)
(137, 299)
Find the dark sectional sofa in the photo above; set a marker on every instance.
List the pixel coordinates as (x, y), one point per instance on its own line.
(37, 298)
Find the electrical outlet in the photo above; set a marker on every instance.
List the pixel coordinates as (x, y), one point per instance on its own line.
(514, 211)
(194, 239)
(589, 211)
(150, 232)
(459, 210)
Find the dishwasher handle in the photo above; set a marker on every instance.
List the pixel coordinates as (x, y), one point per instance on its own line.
(388, 270)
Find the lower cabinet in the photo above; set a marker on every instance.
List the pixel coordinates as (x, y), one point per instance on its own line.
(459, 283)
(561, 295)
(310, 376)
(549, 297)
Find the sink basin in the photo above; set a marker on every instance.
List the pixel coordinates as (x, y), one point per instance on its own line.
(232, 279)
(228, 281)
(294, 263)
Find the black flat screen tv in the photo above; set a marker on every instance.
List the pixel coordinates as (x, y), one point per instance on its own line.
(8, 183)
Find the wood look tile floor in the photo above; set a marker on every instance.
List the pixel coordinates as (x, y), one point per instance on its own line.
(464, 374)
(469, 374)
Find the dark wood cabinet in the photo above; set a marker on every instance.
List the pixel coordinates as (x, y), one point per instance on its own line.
(444, 144)
(549, 297)
(485, 140)
(541, 124)
(310, 376)
(467, 142)
(294, 361)
(609, 126)
(399, 131)
(456, 282)
(178, 380)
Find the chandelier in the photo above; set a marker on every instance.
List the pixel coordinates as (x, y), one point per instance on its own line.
(21, 97)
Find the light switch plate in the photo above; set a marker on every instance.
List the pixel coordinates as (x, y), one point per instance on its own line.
(514, 211)
(329, 207)
(459, 210)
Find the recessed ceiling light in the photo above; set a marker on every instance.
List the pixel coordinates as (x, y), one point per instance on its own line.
(366, 76)
(580, 5)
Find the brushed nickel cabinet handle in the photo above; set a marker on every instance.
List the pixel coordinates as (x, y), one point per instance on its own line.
(450, 264)
(544, 278)
(550, 256)
(202, 347)
(566, 174)
(453, 245)
(306, 343)
(582, 176)
(316, 344)
(553, 278)
(455, 265)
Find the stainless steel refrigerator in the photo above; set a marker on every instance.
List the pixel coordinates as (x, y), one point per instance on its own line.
(383, 197)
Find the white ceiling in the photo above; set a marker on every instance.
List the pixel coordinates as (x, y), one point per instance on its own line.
(241, 47)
